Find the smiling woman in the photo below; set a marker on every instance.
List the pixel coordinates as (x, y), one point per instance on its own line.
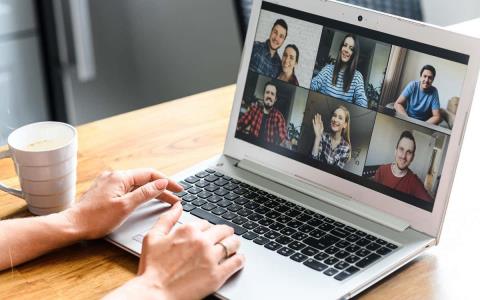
(290, 58)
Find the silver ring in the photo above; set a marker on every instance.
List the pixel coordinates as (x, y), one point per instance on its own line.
(225, 249)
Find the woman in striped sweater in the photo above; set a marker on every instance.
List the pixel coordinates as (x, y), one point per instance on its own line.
(342, 80)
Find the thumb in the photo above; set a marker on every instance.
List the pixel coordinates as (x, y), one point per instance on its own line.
(147, 191)
(168, 219)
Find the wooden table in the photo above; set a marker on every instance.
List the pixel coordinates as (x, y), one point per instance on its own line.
(174, 135)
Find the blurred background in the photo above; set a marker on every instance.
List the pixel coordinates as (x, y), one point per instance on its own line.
(78, 61)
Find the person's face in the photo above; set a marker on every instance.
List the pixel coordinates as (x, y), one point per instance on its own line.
(426, 79)
(289, 60)
(404, 153)
(338, 120)
(270, 96)
(277, 37)
(347, 49)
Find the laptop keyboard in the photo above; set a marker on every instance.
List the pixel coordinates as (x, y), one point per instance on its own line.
(319, 242)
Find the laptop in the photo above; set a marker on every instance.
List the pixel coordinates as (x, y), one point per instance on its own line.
(343, 141)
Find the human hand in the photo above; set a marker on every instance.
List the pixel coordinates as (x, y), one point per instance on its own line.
(187, 262)
(113, 196)
(317, 125)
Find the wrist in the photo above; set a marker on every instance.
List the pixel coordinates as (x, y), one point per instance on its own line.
(140, 287)
(72, 224)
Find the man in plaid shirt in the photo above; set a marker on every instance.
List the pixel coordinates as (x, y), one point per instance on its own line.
(265, 122)
(265, 59)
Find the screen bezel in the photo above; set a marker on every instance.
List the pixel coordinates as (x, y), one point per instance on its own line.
(419, 219)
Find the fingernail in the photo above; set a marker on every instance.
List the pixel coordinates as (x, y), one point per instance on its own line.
(161, 184)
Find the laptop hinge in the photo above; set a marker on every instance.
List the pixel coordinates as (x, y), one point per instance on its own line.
(325, 194)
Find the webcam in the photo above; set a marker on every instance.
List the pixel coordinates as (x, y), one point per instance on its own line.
(360, 18)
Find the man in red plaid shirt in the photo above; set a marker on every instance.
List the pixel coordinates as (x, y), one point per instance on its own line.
(265, 122)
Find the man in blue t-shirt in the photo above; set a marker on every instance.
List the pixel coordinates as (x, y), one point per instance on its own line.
(421, 98)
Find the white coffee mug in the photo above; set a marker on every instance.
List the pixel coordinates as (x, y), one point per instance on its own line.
(45, 157)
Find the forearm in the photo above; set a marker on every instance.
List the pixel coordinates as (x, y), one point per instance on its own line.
(400, 109)
(27, 238)
(316, 146)
(434, 120)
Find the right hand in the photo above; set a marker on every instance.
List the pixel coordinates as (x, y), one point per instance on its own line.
(317, 125)
(187, 262)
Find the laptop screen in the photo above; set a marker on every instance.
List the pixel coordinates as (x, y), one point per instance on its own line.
(369, 107)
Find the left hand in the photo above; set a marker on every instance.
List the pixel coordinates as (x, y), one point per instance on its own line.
(114, 195)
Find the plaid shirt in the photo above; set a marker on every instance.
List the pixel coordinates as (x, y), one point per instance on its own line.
(262, 62)
(251, 122)
(336, 157)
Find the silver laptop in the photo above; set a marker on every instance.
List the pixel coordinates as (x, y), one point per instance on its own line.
(341, 151)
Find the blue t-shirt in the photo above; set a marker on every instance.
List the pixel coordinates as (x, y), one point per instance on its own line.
(323, 83)
(420, 103)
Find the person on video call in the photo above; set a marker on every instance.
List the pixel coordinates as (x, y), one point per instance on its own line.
(421, 98)
(397, 175)
(189, 261)
(342, 80)
(265, 122)
(290, 58)
(333, 147)
(265, 59)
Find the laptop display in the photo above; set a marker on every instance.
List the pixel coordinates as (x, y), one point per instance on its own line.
(363, 105)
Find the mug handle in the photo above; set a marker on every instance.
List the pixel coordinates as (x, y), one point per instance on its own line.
(15, 192)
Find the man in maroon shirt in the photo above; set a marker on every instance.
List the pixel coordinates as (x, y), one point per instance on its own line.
(265, 122)
(397, 175)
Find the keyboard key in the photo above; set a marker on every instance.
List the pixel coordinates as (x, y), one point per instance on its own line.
(249, 225)
(210, 171)
(321, 243)
(221, 192)
(367, 260)
(230, 186)
(299, 236)
(224, 203)
(363, 242)
(239, 220)
(185, 185)
(231, 196)
(211, 188)
(261, 230)
(234, 207)
(214, 199)
(251, 205)
(188, 207)
(328, 220)
(240, 191)
(272, 235)
(296, 245)
(331, 260)
(209, 178)
(276, 226)
(370, 237)
(305, 228)
(330, 272)
(189, 198)
(293, 213)
(283, 219)
(353, 238)
(362, 252)
(361, 233)
(245, 212)
(221, 182)
(219, 211)
(349, 229)
(229, 215)
(298, 257)
(273, 245)
(341, 265)
(202, 174)
(338, 224)
(272, 214)
(392, 246)
(342, 254)
(288, 231)
(339, 232)
(192, 179)
(314, 222)
(304, 218)
(218, 174)
(285, 251)
(321, 256)
(309, 251)
(325, 226)
(331, 250)
(204, 194)
(181, 194)
(194, 190)
(202, 184)
(352, 248)
(261, 240)
(250, 236)
(209, 206)
(342, 244)
(295, 224)
(283, 240)
(317, 233)
(266, 222)
(381, 242)
(314, 264)
(255, 217)
(241, 201)
(262, 210)
(282, 208)
(373, 246)
(383, 251)
(346, 273)
(217, 220)
(199, 202)
(352, 258)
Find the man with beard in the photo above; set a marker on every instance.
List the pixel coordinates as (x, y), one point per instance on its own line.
(397, 175)
(265, 59)
(265, 122)
(421, 98)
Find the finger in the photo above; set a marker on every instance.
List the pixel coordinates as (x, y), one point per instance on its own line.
(146, 192)
(168, 197)
(139, 177)
(230, 266)
(168, 219)
(231, 243)
(218, 232)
